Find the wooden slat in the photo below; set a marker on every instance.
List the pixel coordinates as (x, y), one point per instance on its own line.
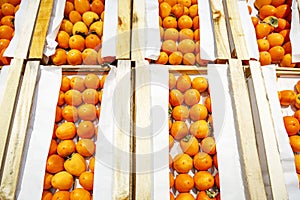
(246, 133)
(143, 149)
(40, 29)
(266, 137)
(124, 25)
(236, 30)
(220, 30)
(7, 104)
(23, 43)
(122, 135)
(16, 145)
(138, 25)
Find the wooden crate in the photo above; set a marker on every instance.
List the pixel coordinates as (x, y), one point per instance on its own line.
(12, 91)
(23, 78)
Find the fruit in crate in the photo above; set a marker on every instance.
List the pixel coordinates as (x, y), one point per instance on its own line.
(272, 27)
(71, 159)
(80, 36)
(179, 31)
(7, 18)
(192, 160)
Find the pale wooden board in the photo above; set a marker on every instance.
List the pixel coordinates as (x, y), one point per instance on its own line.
(236, 29)
(40, 29)
(246, 133)
(23, 44)
(266, 137)
(138, 35)
(7, 104)
(16, 144)
(220, 30)
(143, 149)
(124, 23)
(122, 134)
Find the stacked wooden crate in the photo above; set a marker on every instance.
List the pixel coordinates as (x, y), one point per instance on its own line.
(263, 176)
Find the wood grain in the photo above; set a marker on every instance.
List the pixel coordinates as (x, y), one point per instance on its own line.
(236, 29)
(143, 145)
(220, 30)
(246, 134)
(7, 104)
(266, 137)
(16, 144)
(124, 27)
(122, 132)
(138, 30)
(40, 29)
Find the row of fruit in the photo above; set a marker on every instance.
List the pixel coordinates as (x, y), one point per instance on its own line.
(7, 26)
(70, 164)
(194, 168)
(272, 26)
(80, 36)
(179, 32)
(291, 98)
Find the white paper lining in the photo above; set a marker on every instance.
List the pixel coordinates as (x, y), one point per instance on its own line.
(153, 43)
(110, 29)
(230, 174)
(39, 134)
(286, 154)
(57, 16)
(103, 181)
(294, 32)
(248, 28)
(160, 130)
(3, 78)
(207, 38)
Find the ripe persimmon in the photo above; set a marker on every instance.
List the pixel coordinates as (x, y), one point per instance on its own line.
(86, 180)
(92, 164)
(77, 83)
(89, 56)
(74, 57)
(180, 113)
(66, 131)
(202, 161)
(207, 104)
(169, 46)
(198, 112)
(263, 44)
(163, 58)
(54, 164)
(295, 143)
(291, 125)
(80, 194)
(87, 112)
(177, 10)
(189, 59)
(183, 83)
(199, 129)
(287, 61)
(185, 21)
(46, 195)
(97, 6)
(175, 58)
(191, 97)
(183, 163)
(77, 42)
(69, 113)
(189, 145)
(82, 6)
(47, 181)
(184, 196)
(164, 9)
(275, 39)
(184, 183)
(171, 142)
(61, 195)
(53, 147)
(203, 180)
(62, 180)
(265, 58)
(171, 34)
(208, 145)
(65, 148)
(175, 97)
(59, 57)
(179, 130)
(171, 180)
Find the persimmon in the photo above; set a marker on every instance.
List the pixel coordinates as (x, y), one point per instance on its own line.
(208, 145)
(295, 143)
(176, 98)
(47, 181)
(69, 113)
(171, 180)
(77, 83)
(74, 57)
(291, 125)
(265, 58)
(179, 130)
(263, 44)
(85, 147)
(186, 46)
(61, 195)
(183, 83)
(183, 163)
(184, 183)
(169, 22)
(80, 194)
(171, 34)
(178, 10)
(169, 46)
(203, 195)
(200, 84)
(203, 180)
(66, 131)
(54, 164)
(180, 113)
(287, 97)
(87, 112)
(199, 129)
(202, 161)
(184, 196)
(185, 21)
(189, 145)
(86, 180)
(162, 59)
(189, 59)
(191, 97)
(207, 104)
(164, 9)
(175, 58)
(65, 148)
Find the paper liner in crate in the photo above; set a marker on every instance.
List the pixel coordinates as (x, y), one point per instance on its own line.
(230, 172)
(286, 154)
(152, 44)
(40, 132)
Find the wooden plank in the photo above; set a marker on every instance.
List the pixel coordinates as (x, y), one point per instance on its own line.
(138, 28)
(124, 25)
(7, 104)
(40, 29)
(122, 134)
(143, 149)
(246, 134)
(236, 29)
(23, 43)
(266, 137)
(16, 145)
(220, 30)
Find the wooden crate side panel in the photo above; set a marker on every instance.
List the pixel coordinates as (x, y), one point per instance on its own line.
(16, 144)
(246, 133)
